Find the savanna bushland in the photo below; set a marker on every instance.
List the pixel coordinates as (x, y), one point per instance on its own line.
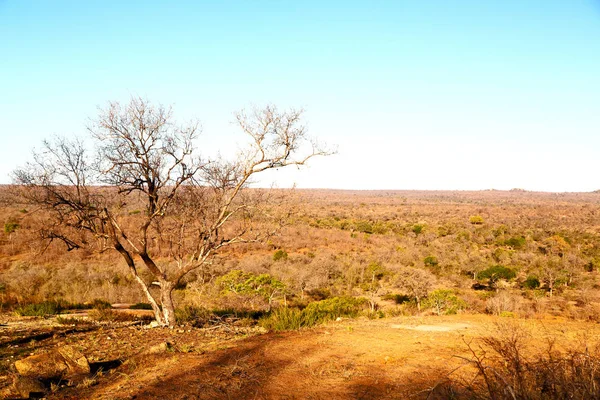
(267, 293)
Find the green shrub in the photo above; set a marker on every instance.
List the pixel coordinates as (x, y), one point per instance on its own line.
(444, 302)
(318, 312)
(333, 308)
(247, 283)
(10, 227)
(532, 282)
(496, 273)
(99, 304)
(516, 242)
(141, 306)
(280, 255)
(42, 309)
(364, 227)
(285, 319)
(397, 298)
(476, 219)
(431, 261)
(418, 228)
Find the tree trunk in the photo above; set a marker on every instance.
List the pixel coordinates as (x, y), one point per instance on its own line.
(158, 314)
(166, 300)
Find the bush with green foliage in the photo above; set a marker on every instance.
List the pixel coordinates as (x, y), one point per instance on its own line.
(431, 261)
(418, 228)
(516, 242)
(444, 302)
(318, 312)
(497, 272)
(10, 227)
(476, 219)
(140, 306)
(280, 255)
(53, 307)
(532, 282)
(397, 298)
(247, 283)
(42, 309)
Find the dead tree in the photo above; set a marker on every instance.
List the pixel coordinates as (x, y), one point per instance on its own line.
(192, 207)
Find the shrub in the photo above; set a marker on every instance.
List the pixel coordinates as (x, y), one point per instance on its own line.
(283, 319)
(10, 227)
(397, 298)
(516, 242)
(42, 309)
(197, 316)
(243, 283)
(99, 304)
(315, 313)
(444, 301)
(431, 261)
(476, 219)
(532, 282)
(280, 255)
(418, 228)
(504, 301)
(140, 306)
(335, 307)
(507, 369)
(364, 227)
(496, 273)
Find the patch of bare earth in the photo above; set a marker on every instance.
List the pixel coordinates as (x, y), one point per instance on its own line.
(352, 359)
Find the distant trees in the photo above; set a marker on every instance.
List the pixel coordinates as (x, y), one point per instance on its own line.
(141, 188)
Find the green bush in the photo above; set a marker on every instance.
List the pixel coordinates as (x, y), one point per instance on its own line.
(333, 308)
(318, 312)
(10, 227)
(280, 255)
(99, 304)
(431, 261)
(397, 298)
(496, 273)
(285, 319)
(516, 242)
(51, 307)
(444, 302)
(140, 306)
(532, 282)
(418, 228)
(476, 219)
(364, 227)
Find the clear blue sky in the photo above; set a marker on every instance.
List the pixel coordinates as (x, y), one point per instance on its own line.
(416, 94)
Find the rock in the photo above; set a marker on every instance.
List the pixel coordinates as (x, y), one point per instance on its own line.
(153, 324)
(29, 387)
(76, 361)
(159, 348)
(65, 361)
(46, 366)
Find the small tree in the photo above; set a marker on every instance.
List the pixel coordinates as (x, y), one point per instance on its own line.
(417, 282)
(191, 208)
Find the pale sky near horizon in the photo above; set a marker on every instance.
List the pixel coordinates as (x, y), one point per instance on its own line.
(463, 95)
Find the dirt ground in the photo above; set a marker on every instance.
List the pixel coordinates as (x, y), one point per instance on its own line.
(392, 358)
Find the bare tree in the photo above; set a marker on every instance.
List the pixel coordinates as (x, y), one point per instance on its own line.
(189, 208)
